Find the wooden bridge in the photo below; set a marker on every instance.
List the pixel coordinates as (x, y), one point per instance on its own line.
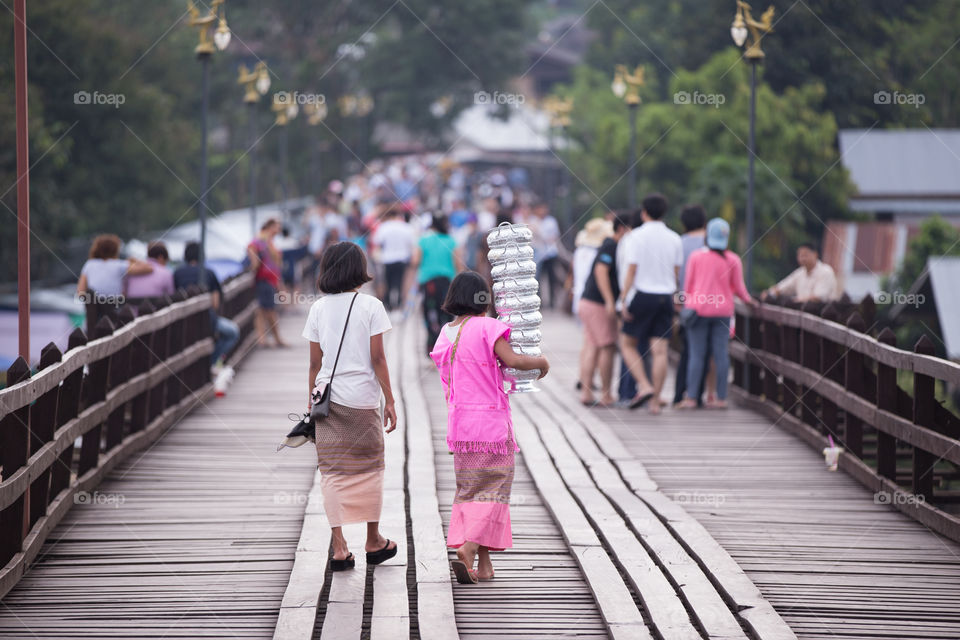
(133, 504)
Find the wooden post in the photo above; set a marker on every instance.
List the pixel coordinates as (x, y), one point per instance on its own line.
(119, 373)
(854, 382)
(756, 344)
(924, 405)
(15, 438)
(810, 359)
(96, 382)
(68, 406)
(868, 309)
(832, 368)
(738, 367)
(789, 349)
(771, 345)
(43, 418)
(141, 362)
(887, 400)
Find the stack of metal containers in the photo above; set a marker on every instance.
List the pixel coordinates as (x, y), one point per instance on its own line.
(515, 296)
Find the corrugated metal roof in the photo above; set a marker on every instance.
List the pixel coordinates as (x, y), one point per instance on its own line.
(911, 163)
(944, 275)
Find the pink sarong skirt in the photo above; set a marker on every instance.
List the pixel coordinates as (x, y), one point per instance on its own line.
(350, 459)
(481, 505)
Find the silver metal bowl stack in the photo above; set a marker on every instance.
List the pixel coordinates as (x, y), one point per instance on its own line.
(515, 296)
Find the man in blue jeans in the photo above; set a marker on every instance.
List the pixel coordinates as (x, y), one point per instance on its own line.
(225, 331)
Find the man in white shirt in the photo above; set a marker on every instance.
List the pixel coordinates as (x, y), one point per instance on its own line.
(394, 240)
(653, 255)
(813, 281)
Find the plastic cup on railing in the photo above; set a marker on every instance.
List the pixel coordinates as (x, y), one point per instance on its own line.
(831, 455)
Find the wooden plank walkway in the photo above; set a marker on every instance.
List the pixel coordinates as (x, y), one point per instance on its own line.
(194, 537)
(830, 561)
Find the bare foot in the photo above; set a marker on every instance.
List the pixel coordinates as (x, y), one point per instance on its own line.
(716, 404)
(467, 553)
(484, 564)
(340, 551)
(686, 403)
(655, 407)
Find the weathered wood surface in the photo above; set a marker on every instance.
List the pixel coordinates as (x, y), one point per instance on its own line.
(195, 537)
(831, 560)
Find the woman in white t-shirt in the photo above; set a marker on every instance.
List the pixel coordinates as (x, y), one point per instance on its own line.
(350, 440)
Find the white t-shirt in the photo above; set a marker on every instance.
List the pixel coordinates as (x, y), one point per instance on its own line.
(105, 276)
(355, 384)
(396, 239)
(657, 251)
(583, 258)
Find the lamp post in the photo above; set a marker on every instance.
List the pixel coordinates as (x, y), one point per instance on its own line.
(205, 49)
(316, 113)
(744, 25)
(286, 109)
(256, 83)
(559, 110)
(626, 86)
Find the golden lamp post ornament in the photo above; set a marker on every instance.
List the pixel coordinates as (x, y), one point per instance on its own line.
(221, 36)
(285, 107)
(256, 82)
(626, 85)
(743, 23)
(559, 110)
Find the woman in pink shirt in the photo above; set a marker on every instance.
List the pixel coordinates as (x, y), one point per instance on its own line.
(713, 277)
(469, 354)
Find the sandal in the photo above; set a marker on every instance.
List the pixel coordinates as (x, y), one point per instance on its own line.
(376, 557)
(463, 574)
(342, 565)
(639, 401)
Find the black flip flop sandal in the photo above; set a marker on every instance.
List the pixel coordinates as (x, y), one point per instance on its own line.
(642, 400)
(376, 557)
(342, 565)
(463, 574)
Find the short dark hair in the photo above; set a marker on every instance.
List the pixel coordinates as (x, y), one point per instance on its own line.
(343, 267)
(636, 218)
(693, 217)
(440, 223)
(157, 250)
(269, 223)
(622, 218)
(191, 252)
(809, 245)
(468, 295)
(655, 205)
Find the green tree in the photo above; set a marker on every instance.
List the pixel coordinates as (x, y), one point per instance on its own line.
(697, 153)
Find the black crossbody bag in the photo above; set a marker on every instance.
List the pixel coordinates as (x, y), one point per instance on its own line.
(321, 405)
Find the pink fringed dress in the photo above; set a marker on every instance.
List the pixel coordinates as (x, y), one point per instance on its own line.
(479, 432)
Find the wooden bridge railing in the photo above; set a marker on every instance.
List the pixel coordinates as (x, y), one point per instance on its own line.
(86, 410)
(820, 373)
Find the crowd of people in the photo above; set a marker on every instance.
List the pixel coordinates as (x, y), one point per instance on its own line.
(635, 279)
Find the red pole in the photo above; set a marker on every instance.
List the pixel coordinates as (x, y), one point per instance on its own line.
(23, 177)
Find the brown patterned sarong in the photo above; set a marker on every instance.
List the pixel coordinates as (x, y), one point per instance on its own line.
(350, 460)
(483, 476)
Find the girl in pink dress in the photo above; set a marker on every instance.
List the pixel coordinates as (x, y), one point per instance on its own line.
(469, 354)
